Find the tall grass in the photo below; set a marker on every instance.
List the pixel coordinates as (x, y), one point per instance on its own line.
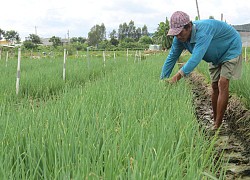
(125, 124)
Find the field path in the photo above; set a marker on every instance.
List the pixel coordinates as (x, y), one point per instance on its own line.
(233, 138)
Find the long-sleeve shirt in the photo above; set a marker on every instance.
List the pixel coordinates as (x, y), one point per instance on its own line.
(211, 40)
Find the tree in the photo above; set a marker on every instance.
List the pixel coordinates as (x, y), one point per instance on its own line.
(35, 39)
(74, 40)
(131, 29)
(56, 41)
(29, 45)
(32, 41)
(80, 40)
(145, 40)
(12, 36)
(103, 31)
(105, 44)
(114, 41)
(123, 31)
(138, 33)
(2, 32)
(96, 35)
(211, 17)
(144, 31)
(160, 36)
(113, 34)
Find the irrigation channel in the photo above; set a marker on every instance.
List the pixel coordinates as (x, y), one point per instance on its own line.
(232, 142)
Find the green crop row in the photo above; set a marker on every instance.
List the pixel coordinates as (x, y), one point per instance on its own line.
(116, 121)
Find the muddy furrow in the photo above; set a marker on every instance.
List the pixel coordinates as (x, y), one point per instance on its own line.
(233, 138)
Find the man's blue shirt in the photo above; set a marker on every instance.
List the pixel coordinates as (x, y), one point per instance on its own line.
(211, 40)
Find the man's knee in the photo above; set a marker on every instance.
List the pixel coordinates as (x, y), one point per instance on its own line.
(223, 83)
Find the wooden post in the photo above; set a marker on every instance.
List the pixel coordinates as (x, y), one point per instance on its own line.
(127, 54)
(64, 65)
(18, 70)
(139, 55)
(104, 60)
(7, 56)
(77, 54)
(88, 57)
(136, 55)
(198, 12)
(246, 52)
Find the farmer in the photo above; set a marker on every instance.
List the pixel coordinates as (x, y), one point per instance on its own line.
(214, 41)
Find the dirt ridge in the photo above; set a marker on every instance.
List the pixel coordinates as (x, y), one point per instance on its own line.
(234, 137)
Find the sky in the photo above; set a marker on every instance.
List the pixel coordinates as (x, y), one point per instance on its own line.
(75, 18)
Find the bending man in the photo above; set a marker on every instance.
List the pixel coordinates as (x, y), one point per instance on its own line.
(210, 40)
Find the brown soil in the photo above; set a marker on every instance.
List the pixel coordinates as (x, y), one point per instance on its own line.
(234, 136)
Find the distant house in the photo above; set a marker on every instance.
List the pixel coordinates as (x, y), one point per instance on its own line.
(65, 42)
(4, 42)
(244, 31)
(155, 47)
(45, 42)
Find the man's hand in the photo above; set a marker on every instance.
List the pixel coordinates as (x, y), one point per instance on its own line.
(171, 81)
(174, 79)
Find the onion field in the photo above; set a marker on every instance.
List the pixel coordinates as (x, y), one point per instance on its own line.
(105, 121)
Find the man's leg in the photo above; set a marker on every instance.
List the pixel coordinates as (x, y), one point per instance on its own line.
(222, 101)
(215, 94)
(220, 75)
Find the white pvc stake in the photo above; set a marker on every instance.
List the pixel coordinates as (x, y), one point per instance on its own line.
(246, 52)
(103, 54)
(7, 56)
(18, 70)
(88, 56)
(139, 55)
(127, 54)
(31, 54)
(114, 57)
(135, 56)
(64, 65)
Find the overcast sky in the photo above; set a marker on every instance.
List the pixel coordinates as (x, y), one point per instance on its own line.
(50, 18)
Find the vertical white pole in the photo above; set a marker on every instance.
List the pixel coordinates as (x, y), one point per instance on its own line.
(88, 56)
(64, 64)
(31, 53)
(114, 56)
(246, 52)
(7, 56)
(18, 70)
(127, 54)
(103, 54)
(139, 55)
(135, 56)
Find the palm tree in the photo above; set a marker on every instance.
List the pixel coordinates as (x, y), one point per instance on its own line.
(160, 36)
